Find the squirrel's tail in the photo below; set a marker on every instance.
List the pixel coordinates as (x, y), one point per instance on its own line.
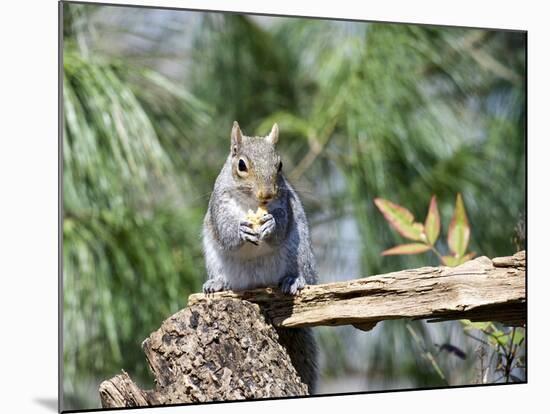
(302, 349)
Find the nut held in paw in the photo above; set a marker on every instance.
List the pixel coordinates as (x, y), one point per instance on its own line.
(254, 217)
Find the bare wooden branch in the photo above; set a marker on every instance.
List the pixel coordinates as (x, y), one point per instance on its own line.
(480, 290)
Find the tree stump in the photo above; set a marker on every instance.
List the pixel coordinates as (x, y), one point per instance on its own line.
(216, 350)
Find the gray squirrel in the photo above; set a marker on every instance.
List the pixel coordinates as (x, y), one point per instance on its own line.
(275, 251)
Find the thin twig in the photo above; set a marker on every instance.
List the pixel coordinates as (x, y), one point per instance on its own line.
(433, 249)
(510, 356)
(427, 354)
(477, 339)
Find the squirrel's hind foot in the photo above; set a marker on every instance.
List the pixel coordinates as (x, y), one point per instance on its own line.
(291, 285)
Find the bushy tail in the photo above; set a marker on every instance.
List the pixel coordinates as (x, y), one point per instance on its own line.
(302, 349)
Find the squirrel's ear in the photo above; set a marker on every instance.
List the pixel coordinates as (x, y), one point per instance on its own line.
(236, 138)
(273, 136)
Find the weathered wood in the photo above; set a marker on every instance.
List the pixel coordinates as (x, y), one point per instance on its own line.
(121, 391)
(205, 353)
(221, 348)
(480, 290)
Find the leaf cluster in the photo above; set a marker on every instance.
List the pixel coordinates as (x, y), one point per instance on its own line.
(426, 235)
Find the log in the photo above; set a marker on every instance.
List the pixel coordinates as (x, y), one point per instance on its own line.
(224, 346)
(480, 290)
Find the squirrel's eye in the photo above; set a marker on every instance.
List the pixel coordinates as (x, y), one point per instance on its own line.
(280, 166)
(242, 166)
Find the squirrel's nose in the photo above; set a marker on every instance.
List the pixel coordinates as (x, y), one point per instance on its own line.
(265, 196)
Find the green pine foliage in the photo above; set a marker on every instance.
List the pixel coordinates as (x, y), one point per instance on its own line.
(130, 233)
(366, 111)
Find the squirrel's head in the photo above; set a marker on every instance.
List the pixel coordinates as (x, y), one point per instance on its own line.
(256, 165)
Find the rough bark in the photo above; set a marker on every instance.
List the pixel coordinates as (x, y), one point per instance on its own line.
(480, 290)
(213, 351)
(221, 348)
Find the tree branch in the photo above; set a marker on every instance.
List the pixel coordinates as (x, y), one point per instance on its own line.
(480, 290)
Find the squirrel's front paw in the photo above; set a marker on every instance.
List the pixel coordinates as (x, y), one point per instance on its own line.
(291, 285)
(247, 233)
(267, 226)
(213, 285)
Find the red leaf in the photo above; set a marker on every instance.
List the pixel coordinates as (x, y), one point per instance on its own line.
(432, 225)
(411, 248)
(400, 219)
(459, 229)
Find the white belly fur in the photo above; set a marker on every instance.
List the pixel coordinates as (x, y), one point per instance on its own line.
(251, 266)
(258, 271)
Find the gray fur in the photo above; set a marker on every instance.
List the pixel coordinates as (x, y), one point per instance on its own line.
(279, 253)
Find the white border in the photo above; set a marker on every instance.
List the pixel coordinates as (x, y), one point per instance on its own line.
(28, 206)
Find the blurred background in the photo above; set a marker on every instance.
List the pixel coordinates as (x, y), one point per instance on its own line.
(365, 110)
